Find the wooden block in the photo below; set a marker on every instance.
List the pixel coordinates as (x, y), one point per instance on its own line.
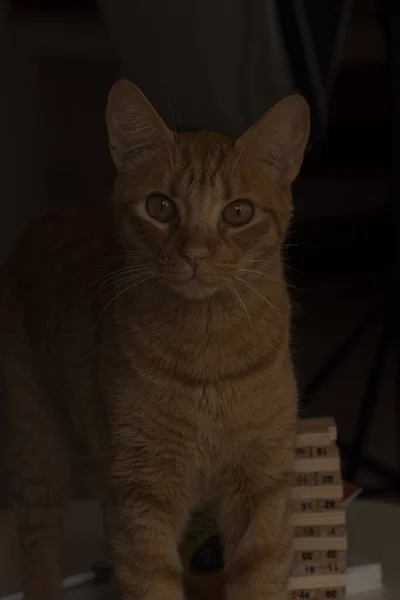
(332, 594)
(329, 478)
(316, 563)
(301, 544)
(324, 556)
(315, 432)
(320, 541)
(333, 518)
(308, 439)
(316, 424)
(316, 582)
(307, 465)
(317, 492)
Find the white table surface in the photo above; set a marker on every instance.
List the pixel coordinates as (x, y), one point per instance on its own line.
(374, 537)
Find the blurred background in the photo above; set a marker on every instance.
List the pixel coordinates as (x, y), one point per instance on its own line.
(58, 60)
(220, 65)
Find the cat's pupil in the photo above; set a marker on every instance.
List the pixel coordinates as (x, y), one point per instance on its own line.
(238, 212)
(160, 208)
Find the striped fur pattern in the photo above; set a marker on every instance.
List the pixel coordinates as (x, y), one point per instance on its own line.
(152, 359)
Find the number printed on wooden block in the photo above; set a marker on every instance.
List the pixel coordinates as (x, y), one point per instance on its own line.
(307, 556)
(333, 530)
(306, 568)
(329, 505)
(334, 555)
(324, 451)
(304, 506)
(333, 568)
(304, 452)
(331, 594)
(328, 478)
(308, 531)
(304, 479)
(318, 563)
(304, 595)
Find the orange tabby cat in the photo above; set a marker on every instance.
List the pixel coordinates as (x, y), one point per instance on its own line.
(148, 342)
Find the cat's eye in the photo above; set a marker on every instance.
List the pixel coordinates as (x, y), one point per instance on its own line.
(161, 208)
(238, 213)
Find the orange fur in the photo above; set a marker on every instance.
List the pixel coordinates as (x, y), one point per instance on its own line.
(169, 389)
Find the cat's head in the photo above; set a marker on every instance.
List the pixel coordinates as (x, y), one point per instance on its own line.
(196, 210)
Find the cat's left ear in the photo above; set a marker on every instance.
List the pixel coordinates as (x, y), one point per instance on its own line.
(134, 126)
(279, 138)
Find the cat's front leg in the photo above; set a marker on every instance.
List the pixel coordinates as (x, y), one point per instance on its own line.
(254, 517)
(149, 503)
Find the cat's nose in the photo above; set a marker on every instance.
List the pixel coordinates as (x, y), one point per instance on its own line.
(195, 255)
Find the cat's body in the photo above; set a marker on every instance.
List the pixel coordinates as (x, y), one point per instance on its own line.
(171, 390)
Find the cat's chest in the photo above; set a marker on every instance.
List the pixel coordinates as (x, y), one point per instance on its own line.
(212, 360)
(212, 389)
(199, 348)
(214, 412)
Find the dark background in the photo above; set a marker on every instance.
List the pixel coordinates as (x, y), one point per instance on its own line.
(338, 248)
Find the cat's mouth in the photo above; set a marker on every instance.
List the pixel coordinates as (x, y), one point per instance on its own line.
(194, 286)
(188, 280)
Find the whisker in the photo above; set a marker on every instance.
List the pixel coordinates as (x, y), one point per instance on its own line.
(256, 261)
(238, 298)
(117, 281)
(121, 271)
(295, 244)
(268, 276)
(126, 289)
(271, 260)
(285, 266)
(113, 277)
(257, 292)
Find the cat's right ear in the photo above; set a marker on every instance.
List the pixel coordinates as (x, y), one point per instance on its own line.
(134, 126)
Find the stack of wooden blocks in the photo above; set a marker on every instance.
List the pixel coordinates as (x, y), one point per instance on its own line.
(320, 541)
